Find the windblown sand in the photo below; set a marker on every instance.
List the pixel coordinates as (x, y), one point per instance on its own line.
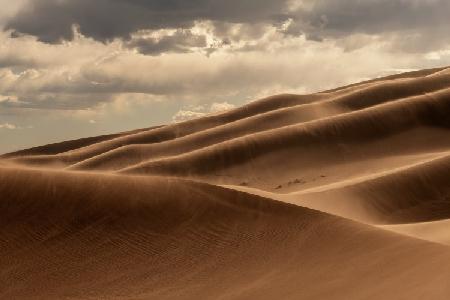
(343, 194)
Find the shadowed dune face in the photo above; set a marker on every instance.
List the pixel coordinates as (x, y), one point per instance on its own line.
(283, 198)
(315, 142)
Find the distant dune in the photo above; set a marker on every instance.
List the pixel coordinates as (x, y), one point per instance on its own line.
(342, 194)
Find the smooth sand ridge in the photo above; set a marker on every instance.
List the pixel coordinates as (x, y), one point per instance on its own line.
(56, 148)
(436, 231)
(403, 75)
(418, 193)
(378, 92)
(64, 236)
(132, 154)
(315, 141)
(175, 130)
(124, 156)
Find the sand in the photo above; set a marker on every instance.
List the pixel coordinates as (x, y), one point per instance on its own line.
(342, 194)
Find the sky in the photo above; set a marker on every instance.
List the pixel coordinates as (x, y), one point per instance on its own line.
(77, 68)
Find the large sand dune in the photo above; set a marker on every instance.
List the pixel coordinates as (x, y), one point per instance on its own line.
(343, 194)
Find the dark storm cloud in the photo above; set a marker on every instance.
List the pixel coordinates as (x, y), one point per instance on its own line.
(180, 42)
(330, 18)
(52, 20)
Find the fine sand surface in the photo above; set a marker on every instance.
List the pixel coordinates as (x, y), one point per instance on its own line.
(343, 194)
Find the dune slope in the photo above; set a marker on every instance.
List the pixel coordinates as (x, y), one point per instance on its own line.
(342, 194)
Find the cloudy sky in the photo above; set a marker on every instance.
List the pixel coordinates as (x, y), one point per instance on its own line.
(75, 68)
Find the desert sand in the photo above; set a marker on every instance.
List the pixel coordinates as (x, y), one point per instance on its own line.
(341, 194)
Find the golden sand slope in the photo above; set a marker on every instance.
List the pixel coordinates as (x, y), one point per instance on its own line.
(216, 207)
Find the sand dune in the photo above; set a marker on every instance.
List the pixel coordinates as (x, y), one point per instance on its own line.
(342, 194)
(166, 238)
(317, 142)
(133, 154)
(337, 101)
(173, 131)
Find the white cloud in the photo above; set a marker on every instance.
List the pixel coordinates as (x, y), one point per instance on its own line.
(223, 106)
(184, 115)
(200, 111)
(84, 74)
